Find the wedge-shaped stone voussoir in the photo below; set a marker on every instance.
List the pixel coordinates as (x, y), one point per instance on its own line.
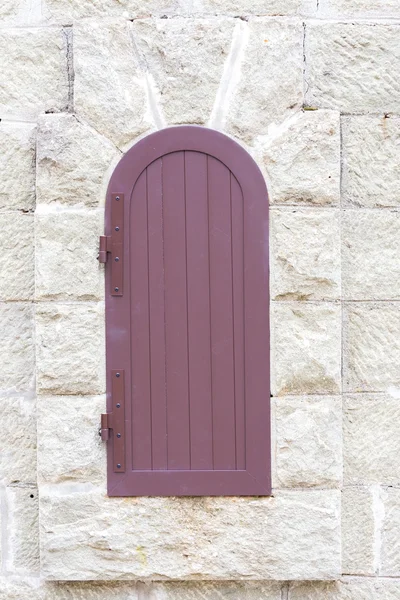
(23, 530)
(17, 270)
(17, 352)
(86, 535)
(358, 530)
(18, 439)
(349, 588)
(357, 9)
(353, 67)
(33, 71)
(17, 166)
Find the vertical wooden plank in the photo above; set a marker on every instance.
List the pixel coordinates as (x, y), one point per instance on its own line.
(178, 419)
(140, 342)
(219, 198)
(198, 311)
(157, 311)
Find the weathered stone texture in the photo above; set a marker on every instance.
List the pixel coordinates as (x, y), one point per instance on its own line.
(359, 8)
(255, 7)
(308, 441)
(17, 166)
(305, 348)
(70, 348)
(348, 589)
(371, 439)
(33, 71)
(291, 536)
(371, 156)
(358, 532)
(72, 159)
(76, 453)
(371, 266)
(18, 439)
(186, 59)
(23, 530)
(390, 533)
(69, 11)
(302, 159)
(271, 84)
(17, 355)
(203, 590)
(353, 67)
(371, 347)
(17, 267)
(66, 255)
(305, 254)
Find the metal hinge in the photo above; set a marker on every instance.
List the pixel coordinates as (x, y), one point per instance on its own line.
(113, 423)
(104, 247)
(114, 244)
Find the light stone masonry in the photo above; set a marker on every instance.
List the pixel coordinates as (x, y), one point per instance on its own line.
(359, 9)
(17, 166)
(17, 249)
(390, 533)
(18, 441)
(358, 531)
(23, 530)
(350, 588)
(17, 356)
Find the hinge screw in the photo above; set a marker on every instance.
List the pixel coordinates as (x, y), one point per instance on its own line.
(117, 198)
(116, 289)
(117, 229)
(118, 435)
(118, 405)
(117, 374)
(116, 258)
(118, 466)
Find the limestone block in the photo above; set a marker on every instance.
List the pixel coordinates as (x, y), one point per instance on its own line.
(371, 347)
(66, 255)
(305, 254)
(358, 531)
(85, 535)
(308, 441)
(110, 90)
(70, 349)
(17, 267)
(22, 530)
(371, 156)
(390, 533)
(357, 9)
(69, 11)
(349, 588)
(302, 159)
(353, 67)
(17, 166)
(17, 354)
(19, 588)
(33, 70)
(72, 159)
(271, 83)
(371, 268)
(18, 439)
(185, 58)
(255, 7)
(305, 349)
(203, 590)
(69, 445)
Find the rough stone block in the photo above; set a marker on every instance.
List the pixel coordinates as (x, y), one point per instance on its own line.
(17, 267)
(85, 535)
(371, 266)
(110, 89)
(66, 255)
(358, 532)
(371, 347)
(17, 353)
(305, 254)
(305, 349)
(22, 530)
(371, 156)
(33, 70)
(271, 82)
(308, 440)
(390, 533)
(72, 159)
(17, 166)
(203, 590)
(357, 9)
(18, 439)
(70, 349)
(349, 588)
(353, 67)
(69, 11)
(185, 58)
(255, 7)
(302, 159)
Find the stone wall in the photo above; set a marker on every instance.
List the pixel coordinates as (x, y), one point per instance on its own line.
(311, 89)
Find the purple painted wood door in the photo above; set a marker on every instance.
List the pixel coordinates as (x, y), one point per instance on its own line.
(189, 329)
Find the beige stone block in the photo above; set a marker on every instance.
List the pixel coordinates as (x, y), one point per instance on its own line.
(110, 89)
(70, 11)
(302, 159)
(270, 88)
(185, 59)
(70, 349)
(371, 156)
(349, 588)
(18, 439)
(17, 354)
(204, 590)
(72, 160)
(371, 266)
(353, 67)
(358, 9)
(390, 533)
(358, 531)
(305, 254)
(22, 530)
(305, 348)
(17, 267)
(17, 166)
(85, 535)
(69, 445)
(308, 441)
(256, 7)
(67, 244)
(33, 70)
(371, 346)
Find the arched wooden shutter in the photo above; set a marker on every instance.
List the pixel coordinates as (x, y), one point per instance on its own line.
(187, 319)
